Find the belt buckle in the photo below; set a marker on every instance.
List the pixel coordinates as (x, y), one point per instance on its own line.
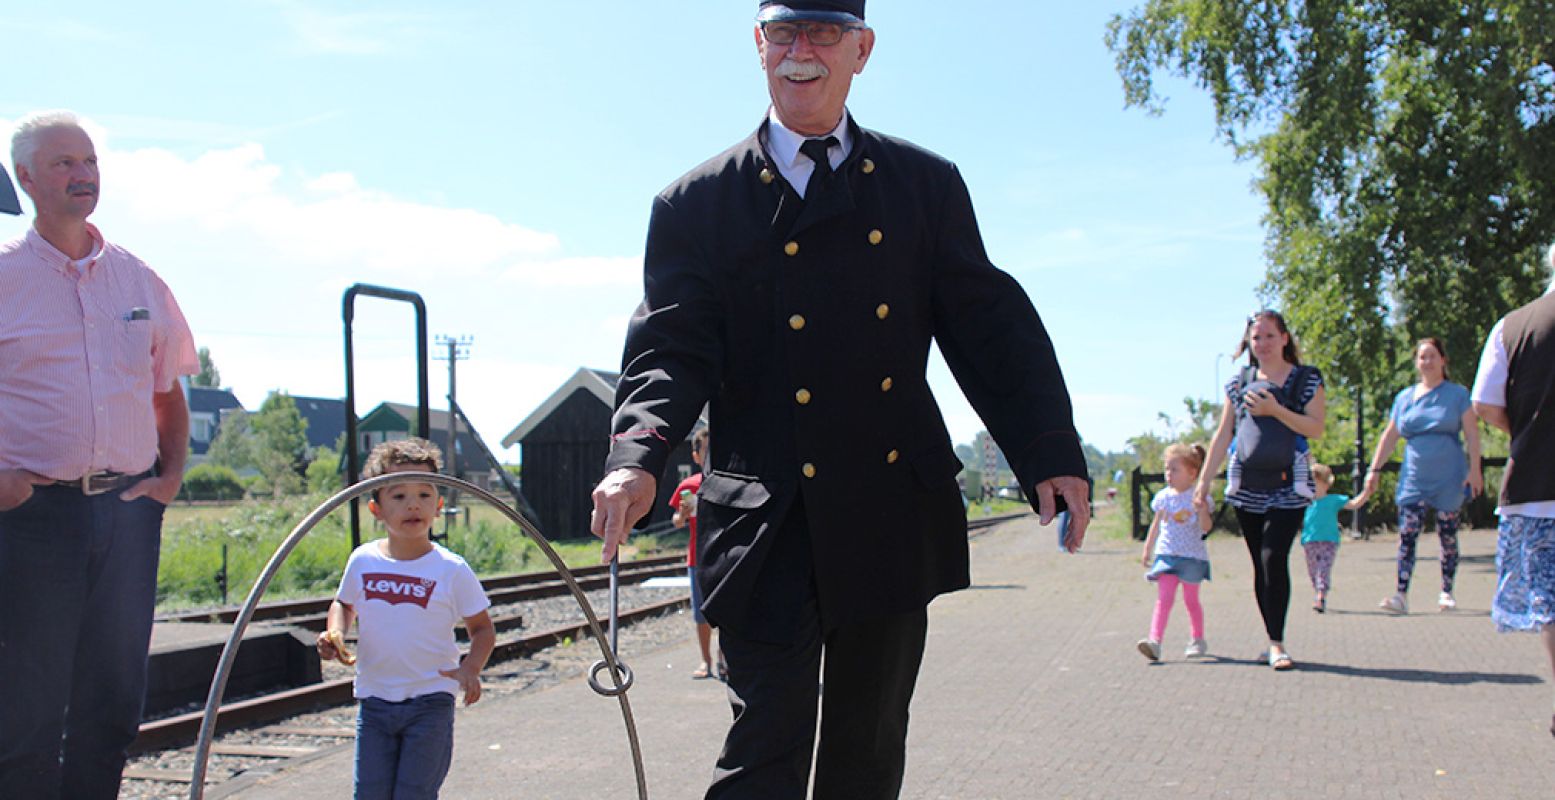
(107, 485)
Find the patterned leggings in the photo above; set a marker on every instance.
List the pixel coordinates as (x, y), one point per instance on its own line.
(1411, 521)
(1320, 563)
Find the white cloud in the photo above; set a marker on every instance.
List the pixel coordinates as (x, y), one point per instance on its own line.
(353, 32)
(332, 221)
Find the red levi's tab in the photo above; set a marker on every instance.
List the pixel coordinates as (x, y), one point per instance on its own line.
(392, 589)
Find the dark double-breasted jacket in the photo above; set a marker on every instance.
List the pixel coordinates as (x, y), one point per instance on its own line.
(806, 326)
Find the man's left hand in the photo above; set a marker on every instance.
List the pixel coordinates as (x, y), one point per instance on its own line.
(1077, 495)
(161, 488)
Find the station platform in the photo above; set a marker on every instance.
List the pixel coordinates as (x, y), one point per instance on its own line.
(1032, 688)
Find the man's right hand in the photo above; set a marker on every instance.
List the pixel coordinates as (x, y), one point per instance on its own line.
(16, 486)
(622, 498)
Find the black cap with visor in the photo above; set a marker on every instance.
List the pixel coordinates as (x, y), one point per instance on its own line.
(842, 12)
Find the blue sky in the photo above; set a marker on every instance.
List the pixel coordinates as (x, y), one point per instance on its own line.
(499, 158)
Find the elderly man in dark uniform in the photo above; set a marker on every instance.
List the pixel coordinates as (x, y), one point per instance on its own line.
(795, 282)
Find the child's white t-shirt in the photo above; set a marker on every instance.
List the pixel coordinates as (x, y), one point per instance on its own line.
(1180, 534)
(406, 612)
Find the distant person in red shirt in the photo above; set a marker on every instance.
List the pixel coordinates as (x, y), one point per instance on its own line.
(684, 501)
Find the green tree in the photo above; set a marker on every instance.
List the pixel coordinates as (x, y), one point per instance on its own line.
(1405, 149)
(234, 443)
(280, 443)
(324, 471)
(208, 374)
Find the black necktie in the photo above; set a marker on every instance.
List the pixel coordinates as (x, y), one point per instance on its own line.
(816, 150)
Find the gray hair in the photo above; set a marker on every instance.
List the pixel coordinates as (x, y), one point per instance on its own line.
(24, 143)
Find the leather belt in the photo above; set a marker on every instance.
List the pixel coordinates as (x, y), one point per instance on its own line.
(100, 482)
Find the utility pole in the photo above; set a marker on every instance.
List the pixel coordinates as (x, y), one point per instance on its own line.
(458, 350)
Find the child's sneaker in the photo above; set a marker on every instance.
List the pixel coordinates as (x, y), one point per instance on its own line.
(1397, 603)
(1151, 649)
(1446, 601)
(1197, 648)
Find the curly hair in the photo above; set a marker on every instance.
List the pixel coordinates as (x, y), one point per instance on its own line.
(402, 452)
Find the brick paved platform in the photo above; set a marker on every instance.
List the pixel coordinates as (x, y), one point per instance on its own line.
(1032, 688)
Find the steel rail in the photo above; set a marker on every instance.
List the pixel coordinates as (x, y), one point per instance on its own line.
(593, 576)
(229, 653)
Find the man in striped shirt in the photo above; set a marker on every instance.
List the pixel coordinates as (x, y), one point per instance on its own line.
(93, 434)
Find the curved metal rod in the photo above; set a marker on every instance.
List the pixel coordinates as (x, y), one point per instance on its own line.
(240, 625)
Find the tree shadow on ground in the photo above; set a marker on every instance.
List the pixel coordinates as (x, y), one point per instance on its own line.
(985, 587)
(1408, 675)
(1403, 674)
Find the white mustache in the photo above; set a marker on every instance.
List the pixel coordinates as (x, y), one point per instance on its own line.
(802, 70)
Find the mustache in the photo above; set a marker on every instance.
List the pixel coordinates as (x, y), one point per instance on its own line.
(802, 70)
(90, 186)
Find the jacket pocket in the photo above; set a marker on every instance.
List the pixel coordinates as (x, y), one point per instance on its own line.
(935, 467)
(733, 491)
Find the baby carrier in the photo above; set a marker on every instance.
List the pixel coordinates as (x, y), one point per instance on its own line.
(1265, 447)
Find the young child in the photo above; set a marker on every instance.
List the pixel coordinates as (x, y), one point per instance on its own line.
(1320, 533)
(407, 594)
(683, 501)
(1175, 552)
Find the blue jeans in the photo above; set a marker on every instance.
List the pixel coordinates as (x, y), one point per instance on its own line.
(403, 749)
(78, 585)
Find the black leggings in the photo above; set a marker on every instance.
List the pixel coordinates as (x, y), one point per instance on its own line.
(1269, 536)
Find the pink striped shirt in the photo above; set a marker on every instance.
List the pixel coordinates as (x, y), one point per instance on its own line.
(81, 352)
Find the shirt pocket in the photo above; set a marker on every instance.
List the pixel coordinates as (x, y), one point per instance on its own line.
(132, 352)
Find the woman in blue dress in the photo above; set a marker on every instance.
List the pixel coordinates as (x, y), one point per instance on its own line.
(1430, 416)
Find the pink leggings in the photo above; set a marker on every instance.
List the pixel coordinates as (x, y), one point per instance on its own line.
(1166, 593)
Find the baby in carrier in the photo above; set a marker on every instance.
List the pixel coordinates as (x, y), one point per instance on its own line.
(1264, 454)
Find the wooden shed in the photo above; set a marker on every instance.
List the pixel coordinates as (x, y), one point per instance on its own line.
(564, 443)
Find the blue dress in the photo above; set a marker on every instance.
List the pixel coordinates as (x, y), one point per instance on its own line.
(1435, 465)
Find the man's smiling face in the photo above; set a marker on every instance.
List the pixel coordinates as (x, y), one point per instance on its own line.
(809, 84)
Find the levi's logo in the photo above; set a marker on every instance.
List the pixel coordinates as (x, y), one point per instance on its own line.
(393, 589)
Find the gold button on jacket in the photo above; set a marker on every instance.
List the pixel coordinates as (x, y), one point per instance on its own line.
(885, 385)
(792, 248)
(882, 311)
(808, 470)
(802, 397)
(875, 236)
(796, 322)
(891, 457)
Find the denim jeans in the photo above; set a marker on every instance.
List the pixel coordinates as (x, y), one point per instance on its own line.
(403, 749)
(78, 585)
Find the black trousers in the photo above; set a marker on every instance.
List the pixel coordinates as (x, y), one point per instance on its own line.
(869, 673)
(1269, 536)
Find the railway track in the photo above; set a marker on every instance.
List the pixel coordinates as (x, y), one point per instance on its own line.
(274, 738)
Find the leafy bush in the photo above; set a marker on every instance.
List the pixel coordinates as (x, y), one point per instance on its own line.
(211, 482)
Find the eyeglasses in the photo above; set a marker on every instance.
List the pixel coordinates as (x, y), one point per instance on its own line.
(820, 34)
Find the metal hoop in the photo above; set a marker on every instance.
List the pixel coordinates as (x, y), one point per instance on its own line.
(623, 681)
(246, 614)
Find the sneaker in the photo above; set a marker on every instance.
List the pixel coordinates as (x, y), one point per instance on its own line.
(1197, 648)
(1446, 601)
(1319, 604)
(1151, 650)
(1397, 603)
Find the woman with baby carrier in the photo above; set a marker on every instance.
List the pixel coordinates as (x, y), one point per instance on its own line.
(1274, 405)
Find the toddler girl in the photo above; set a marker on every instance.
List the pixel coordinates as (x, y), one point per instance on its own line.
(1174, 551)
